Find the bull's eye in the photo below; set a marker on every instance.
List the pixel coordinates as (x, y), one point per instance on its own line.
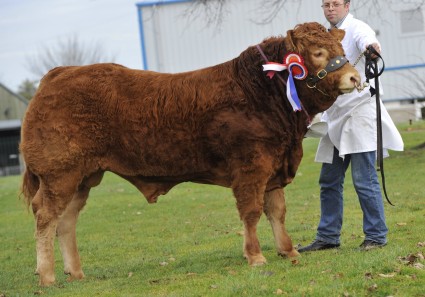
(318, 54)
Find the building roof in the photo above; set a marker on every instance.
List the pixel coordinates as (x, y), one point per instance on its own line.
(10, 125)
(17, 96)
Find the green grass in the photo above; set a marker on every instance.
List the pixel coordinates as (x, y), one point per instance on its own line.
(194, 232)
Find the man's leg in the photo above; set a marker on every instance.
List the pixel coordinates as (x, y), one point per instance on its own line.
(331, 199)
(365, 180)
(331, 204)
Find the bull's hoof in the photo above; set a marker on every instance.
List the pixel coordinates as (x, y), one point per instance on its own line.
(77, 275)
(291, 254)
(46, 280)
(257, 260)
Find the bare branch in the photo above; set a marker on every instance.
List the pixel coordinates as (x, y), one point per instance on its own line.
(269, 9)
(66, 53)
(212, 11)
(27, 89)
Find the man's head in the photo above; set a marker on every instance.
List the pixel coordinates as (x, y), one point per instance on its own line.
(335, 10)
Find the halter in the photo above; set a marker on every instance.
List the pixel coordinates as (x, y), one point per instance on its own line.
(333, 64)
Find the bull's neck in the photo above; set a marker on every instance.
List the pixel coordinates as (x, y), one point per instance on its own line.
(249, 73)
(270, 94)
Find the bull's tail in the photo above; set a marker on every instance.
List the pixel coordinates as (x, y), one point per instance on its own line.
(30, 185)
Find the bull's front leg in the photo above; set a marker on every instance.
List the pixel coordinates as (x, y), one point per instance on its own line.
(275, 210)
(249, 200)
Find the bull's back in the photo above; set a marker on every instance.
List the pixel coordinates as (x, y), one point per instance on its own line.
(112, 115)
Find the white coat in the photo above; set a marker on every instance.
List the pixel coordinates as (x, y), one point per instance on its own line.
(352, 118)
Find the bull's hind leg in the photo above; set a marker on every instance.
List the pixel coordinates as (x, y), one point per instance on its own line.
(45, 234)
(275, 210)
(67, 236)
(48, 204)
(66, 229)
(46, 213)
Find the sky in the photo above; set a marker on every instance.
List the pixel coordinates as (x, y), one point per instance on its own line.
(29, 26)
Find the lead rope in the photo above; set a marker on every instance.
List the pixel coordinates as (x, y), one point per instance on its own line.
(372, 71)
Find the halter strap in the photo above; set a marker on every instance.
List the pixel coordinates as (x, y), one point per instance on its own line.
(334, 64)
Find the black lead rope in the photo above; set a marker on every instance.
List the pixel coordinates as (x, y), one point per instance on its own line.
(372, 71)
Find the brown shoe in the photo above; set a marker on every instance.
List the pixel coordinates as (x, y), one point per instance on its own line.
(318, 245)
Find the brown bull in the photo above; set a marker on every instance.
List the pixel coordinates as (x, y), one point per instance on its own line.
(227, 125)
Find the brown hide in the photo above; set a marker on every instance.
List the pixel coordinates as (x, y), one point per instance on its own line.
(173, 127)
(228, 125)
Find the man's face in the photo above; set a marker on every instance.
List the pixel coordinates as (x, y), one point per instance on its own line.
(335, 10)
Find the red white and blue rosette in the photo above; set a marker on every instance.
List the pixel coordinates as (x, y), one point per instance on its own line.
(294, 63)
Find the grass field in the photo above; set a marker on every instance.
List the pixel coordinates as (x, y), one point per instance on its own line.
(189, 243)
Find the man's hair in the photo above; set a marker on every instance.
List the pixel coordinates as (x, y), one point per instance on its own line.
(345, 1)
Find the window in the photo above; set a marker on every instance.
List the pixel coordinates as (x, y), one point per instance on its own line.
(412, 21)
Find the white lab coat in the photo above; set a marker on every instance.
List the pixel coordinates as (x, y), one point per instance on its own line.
(352, 118)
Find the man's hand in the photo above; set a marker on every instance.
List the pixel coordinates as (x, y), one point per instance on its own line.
(376, 47)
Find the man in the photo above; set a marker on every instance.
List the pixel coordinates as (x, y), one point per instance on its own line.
(352, 138)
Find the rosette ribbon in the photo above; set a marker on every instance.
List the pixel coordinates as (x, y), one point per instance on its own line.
(294, 63)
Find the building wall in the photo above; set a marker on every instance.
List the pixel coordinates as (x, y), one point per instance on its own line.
(12, 110)
(402, 113)
(174, 42)
(403, 50)
(12, 106)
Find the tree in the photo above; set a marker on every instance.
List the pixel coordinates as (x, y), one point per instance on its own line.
(214, 10)
(66, 53)
(27, 88)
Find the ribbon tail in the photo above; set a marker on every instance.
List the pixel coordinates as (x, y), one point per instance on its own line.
(272, 67)
(270, 74)
(291, 93)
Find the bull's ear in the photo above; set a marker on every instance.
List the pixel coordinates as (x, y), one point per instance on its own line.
(289, 42)
(338, 34)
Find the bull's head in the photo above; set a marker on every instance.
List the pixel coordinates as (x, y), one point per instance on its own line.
(320, 50)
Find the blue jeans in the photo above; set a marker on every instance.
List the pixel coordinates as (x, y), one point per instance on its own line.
(367, 187)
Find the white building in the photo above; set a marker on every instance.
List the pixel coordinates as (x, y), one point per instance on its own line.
(174, 38)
